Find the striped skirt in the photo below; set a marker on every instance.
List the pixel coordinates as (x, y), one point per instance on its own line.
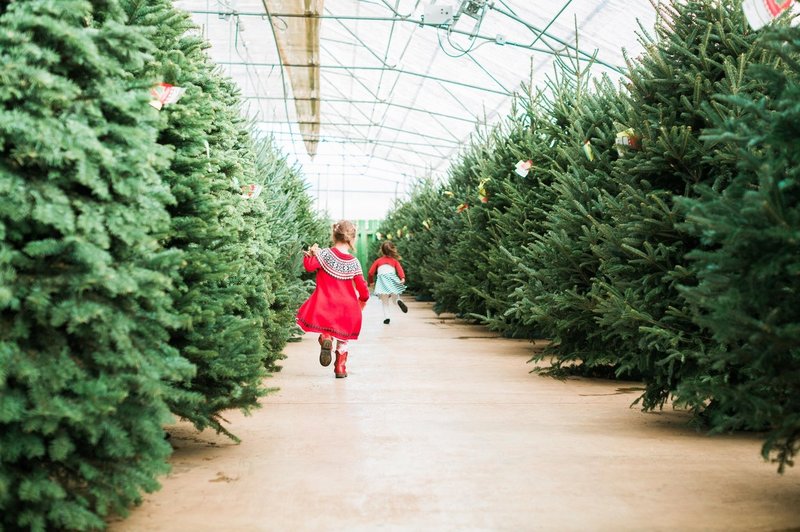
(388, 283)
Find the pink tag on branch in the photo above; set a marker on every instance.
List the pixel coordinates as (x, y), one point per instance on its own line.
(165, 94)
(523, 167)
(251, 191)
(759, 13)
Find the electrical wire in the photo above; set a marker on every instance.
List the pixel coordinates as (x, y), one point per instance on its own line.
(473, 36)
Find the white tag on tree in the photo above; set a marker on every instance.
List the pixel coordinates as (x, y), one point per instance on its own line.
(165, 94)
(251, 191)
(523, 167)
(759, 13)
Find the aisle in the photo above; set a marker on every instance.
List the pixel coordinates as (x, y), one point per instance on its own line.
(440, 427)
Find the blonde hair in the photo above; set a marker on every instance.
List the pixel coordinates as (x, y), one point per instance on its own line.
(344, 231)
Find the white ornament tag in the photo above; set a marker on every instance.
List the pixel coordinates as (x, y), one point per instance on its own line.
(759, 13)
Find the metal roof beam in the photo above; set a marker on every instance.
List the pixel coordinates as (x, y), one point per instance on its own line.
(365, 115)
(346, 140)
(513, 16)
(549, 51)
(349, 190)
(337, 41)
(456, 140)
(377, 97)
(371, 141)
(471, 120)
(486, 71)
(357, 38)
(364, 67)
(283, 76)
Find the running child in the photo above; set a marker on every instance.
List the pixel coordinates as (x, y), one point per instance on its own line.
(334, 309)
(390, 281)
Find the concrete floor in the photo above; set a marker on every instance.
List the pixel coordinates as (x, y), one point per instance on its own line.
(440, 426)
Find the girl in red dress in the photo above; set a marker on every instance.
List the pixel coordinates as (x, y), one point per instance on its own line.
(334, 309)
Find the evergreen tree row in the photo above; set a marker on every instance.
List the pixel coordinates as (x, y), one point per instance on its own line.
(136, 281)
(648, 229)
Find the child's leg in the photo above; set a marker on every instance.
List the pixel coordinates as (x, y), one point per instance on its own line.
(339, 368)
(326, 344)
(400, 303)
(386, 303)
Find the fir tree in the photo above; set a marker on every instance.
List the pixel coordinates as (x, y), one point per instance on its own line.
(276, 227)
(286, 213)
(701, 49)
(460, 264)
(219, 279)
(84, 283)
(747, 288)
(559, 267)
(514, 211)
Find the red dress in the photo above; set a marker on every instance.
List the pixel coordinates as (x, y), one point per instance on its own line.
(334, 308)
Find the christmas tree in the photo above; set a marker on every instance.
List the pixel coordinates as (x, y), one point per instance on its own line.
(658, 240)
(516, 192)
(747, 284)
(289, 225)
(559, 267)
(700, 49)
(85, 284)
(220, 287)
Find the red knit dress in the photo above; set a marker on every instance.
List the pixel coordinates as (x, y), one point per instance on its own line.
(333, 308)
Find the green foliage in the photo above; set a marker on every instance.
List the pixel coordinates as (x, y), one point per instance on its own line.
(701, 50)
(84, 283)
(221, 290)
(559, 267)
(513, 211)
(134, 278)
(285, 223)
(664, 260)
(748, 266)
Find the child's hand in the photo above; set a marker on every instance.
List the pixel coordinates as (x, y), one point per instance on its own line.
(402, 281)
(362, 304)
(312, 251)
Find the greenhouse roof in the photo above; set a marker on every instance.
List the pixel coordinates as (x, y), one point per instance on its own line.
(368, 96)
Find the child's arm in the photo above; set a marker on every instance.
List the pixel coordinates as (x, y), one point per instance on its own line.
(311, 264)
(310, 260)
(371, 273)
(361, 288)
(400, 273)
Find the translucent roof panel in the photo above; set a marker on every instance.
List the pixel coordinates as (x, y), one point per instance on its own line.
(367, 96)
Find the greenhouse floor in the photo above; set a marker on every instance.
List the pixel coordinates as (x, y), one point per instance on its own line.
(440, 426)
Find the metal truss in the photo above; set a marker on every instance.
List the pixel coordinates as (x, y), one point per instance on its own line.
(398, 17)
(472, 119)
(368, 67)
(374, 124)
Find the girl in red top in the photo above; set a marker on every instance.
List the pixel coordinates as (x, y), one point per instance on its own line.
(334, 309)
(390, 281)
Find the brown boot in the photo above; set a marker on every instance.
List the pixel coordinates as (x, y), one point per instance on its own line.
(339, 368)
(325, 342)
